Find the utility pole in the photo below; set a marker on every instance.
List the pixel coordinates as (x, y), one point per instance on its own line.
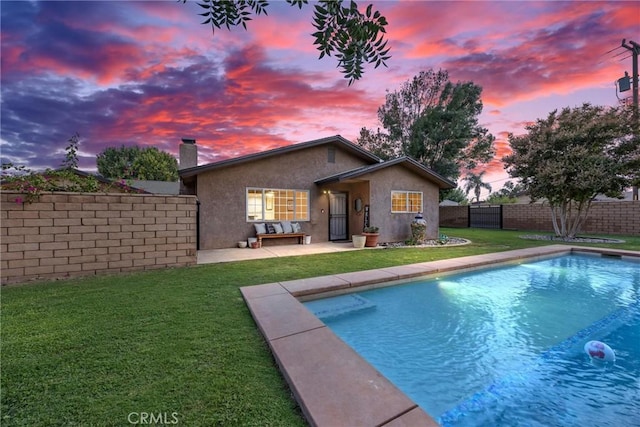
(635, 50)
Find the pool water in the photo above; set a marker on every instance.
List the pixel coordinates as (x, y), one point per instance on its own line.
(504, 347)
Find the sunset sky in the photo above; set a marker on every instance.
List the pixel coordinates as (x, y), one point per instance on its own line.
(148, 73)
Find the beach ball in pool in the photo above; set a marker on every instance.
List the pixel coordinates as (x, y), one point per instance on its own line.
(599, 351)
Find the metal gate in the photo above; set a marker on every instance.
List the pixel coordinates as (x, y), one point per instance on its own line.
(485, 217)
(337, 216)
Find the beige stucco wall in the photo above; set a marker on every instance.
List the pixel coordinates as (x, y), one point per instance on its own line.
(396, 227)
(222, 193)
(355, 190)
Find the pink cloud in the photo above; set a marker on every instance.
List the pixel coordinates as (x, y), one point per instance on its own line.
(159, 75)
(515, 59)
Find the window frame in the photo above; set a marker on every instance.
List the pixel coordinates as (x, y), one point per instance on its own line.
(407, 201)
(292, 201)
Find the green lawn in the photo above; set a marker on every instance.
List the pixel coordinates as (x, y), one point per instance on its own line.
(173, 343)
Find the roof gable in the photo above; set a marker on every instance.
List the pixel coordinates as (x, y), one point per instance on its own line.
(336, 139)
(156, 187)
(406, 162)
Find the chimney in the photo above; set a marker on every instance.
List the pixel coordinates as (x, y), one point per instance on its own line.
(188, 153)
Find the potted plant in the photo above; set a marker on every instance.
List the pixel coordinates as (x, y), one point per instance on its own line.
(419, 230)
(372, 234)
(359, 240)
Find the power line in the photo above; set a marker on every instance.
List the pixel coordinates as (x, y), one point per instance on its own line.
(618, 54)
(496, 180)
(611, 50)
(612, 56)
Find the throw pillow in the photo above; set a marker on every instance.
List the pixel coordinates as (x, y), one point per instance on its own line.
(286, 227)
(296, 227)
(271, 229)
(278, 228)
(260, 228)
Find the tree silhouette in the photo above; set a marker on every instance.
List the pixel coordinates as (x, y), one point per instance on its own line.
(573, 155)
(475, 183)
(354, 37)
(147, 163)
(435, 122)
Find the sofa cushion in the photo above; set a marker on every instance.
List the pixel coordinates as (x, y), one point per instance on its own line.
(260, 228)
(278, 227)
(286, 227)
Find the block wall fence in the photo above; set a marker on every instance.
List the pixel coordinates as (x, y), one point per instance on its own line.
(604, 217)
(64, 235)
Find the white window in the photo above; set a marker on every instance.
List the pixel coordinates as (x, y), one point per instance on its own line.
(406, 201)
(272, 204)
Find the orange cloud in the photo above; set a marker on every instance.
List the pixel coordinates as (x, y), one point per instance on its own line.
(149, 73)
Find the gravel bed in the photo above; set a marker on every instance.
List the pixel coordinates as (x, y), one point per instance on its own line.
(574, 240)
(453, 241)
(456, 241)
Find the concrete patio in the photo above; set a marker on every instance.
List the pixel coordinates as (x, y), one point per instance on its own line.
(272, 251)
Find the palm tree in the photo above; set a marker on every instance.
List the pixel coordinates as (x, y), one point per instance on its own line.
(475, 183)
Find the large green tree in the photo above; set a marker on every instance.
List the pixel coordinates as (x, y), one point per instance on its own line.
(354, 37)
(570, 157)
(434, 121)
(507, 194)
(454, 195)
(628, 149)
(137, 163)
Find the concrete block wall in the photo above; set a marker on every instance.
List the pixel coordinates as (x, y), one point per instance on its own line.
(454, 216)
(527, 217)
(604, 218)
(65, 235)
(615, 217)
(622, 218)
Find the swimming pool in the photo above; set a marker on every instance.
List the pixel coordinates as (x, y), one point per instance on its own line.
(505, 346)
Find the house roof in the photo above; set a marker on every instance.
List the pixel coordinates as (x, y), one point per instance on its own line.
(627, 195)
(106, 183)
(406, 162)
(157, 187)
(336, 139)
(137, 185)
(84, 174)
(122, 185)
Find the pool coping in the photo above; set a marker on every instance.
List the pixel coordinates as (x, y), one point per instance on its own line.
(332, 383)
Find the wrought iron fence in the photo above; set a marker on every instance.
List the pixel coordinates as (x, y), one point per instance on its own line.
(485, 216)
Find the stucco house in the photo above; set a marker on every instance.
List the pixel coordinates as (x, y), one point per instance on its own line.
(331, 187)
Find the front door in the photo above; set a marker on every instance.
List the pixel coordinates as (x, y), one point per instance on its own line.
(338, 216)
